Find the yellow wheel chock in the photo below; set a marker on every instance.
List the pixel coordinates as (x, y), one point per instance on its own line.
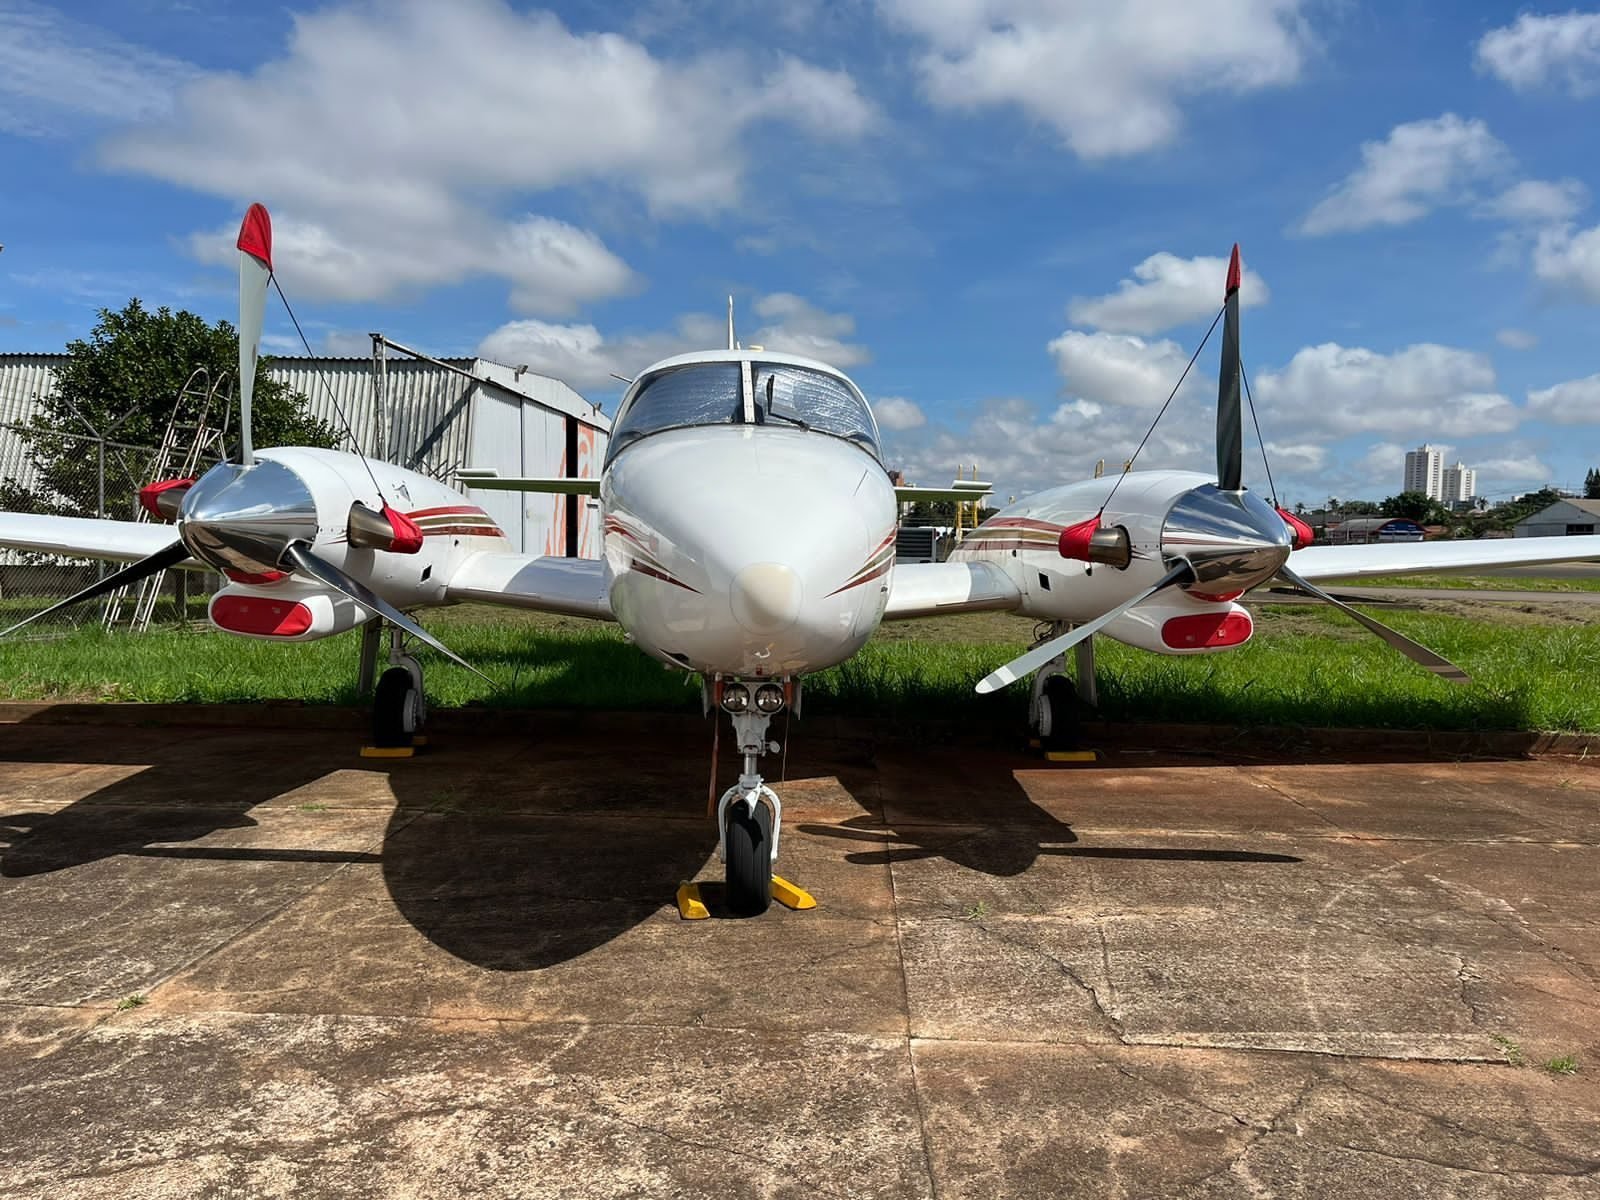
(791, 896)
(690, 906)
(1068, 756)
(388, 751)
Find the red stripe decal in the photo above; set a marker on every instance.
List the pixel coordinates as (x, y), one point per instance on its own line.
(471, 530)
(855, 583)
(451, 508)
(1019, 523)
(661, 575)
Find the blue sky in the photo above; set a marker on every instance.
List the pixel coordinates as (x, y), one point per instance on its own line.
(1007, 219)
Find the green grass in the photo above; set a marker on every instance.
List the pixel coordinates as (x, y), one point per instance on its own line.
(1471, 583)
(1566, 1064)
(1306, 666)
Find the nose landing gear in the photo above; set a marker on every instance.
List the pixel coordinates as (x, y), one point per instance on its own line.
(749, 819)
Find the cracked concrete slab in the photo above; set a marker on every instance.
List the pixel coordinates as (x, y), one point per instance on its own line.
(1162, 975)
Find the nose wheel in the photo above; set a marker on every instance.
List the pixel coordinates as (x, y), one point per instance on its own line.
(748, 847)
(749, 821)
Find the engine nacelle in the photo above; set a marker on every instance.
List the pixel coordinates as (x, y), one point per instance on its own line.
(1183, 627)
(290, 611)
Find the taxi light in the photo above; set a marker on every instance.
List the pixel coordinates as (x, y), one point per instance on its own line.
(769, 698)
(735, 698)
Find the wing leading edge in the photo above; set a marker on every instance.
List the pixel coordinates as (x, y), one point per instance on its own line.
(575, 587)
(1403, 558)
(931, 589)
(83, 537)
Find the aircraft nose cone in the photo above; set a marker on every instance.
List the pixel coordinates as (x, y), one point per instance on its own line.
(766, 598)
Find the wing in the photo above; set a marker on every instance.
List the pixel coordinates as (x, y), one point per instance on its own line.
(929, 589)
(574, 586)
(1403, 558)
(84, 537)
(486, 479)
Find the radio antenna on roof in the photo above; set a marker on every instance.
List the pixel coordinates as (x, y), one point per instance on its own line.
(733, 343)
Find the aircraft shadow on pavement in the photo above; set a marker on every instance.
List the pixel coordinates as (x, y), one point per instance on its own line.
(995, 829)
(505, 880)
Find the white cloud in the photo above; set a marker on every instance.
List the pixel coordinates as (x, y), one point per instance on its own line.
(585, 358)
(1569, 261)
(1517, 339)
(796, 326)
(1538, 202)
(1519, 467)
(1383, 460)
(1575, 402)
(1110, 79)
(54, 71)
(1165, 291)
(897, 414)
(1561, 50)
(1424, 389)
(552, 267)
(414, 132)
(1417, 168)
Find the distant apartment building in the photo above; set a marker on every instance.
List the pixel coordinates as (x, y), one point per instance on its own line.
(1425, 472)
(1459, 484)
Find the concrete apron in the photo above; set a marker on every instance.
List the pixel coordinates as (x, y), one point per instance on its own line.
(246, 962)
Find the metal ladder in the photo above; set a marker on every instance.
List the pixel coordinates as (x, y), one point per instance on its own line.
(183, 446)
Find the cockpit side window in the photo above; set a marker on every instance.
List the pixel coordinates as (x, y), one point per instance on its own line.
(700, 394)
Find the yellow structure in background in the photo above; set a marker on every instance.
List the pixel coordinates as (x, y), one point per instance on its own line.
(968, 512)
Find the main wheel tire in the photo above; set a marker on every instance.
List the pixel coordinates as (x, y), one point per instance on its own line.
(1060, 714)
(749, 865)
(394, 709)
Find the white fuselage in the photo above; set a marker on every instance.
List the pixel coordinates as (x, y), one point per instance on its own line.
(745, 550)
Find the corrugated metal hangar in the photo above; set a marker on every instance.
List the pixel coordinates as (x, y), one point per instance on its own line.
(438, 416)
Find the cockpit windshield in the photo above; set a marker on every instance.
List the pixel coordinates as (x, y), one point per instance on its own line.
(721, 393)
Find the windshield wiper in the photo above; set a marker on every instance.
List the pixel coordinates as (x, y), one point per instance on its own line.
(773, 412)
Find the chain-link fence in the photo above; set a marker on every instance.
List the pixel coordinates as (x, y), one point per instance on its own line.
(67, 474)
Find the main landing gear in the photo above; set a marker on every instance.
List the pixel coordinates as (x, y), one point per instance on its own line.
(1060, 701)
(399, 706)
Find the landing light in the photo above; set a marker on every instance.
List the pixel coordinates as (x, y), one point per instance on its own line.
(736, 698)
(769, 698)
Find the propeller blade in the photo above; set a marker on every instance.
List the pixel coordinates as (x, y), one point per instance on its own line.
(143, 569)
(1039, 655)
(255, 269)
(325, 572)
(1230, 427)
(1415, 651)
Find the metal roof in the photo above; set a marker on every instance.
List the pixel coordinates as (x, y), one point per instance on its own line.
(1360, 524)
(1592, 507)
(426, 404)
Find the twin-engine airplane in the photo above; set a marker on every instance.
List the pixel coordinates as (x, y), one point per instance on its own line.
(749, 539)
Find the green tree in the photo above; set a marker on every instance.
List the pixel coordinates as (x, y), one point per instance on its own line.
(1591, 484)
(128, 374)
(1413, 506)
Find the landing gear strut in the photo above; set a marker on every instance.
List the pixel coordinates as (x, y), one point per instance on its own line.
(749, 817)
(399, 707)
(1060, 701)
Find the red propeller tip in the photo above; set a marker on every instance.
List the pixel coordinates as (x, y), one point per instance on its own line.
(1235, 273)
(255, 235)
